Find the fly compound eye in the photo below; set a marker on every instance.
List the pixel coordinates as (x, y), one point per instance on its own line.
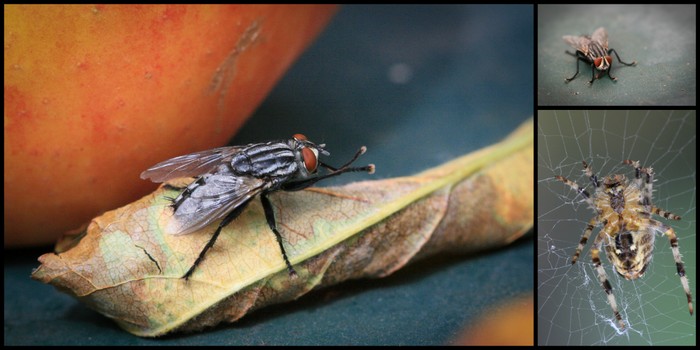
(598, 62)
(310, 157)
(300, 137)
(608, 60)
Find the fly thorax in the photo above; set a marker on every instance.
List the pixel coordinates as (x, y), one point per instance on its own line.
(267, 160)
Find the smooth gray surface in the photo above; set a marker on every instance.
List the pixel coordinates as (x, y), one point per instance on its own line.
(661, 38)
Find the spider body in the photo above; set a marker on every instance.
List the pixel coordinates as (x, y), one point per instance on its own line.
(628, 233)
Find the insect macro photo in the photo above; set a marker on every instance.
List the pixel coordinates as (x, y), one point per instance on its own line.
(616, 234)
(226, 179)
(201, 248)
(616, 55)
(628, 233)
(593, 49)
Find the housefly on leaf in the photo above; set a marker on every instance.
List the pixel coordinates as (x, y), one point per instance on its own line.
(227, 179)
(593, 50)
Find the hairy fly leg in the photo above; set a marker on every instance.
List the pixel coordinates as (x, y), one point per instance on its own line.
(345, 168)
(232, 215)
(187, 191)
(579, 57)
(270, 217)
(170, 187)
(610, 75)
(621, 61)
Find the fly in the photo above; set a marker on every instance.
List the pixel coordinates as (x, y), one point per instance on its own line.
(226, 180)
(593, 50)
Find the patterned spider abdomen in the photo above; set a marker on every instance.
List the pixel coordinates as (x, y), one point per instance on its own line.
(631, 253)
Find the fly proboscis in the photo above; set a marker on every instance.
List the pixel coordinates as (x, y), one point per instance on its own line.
(226, 180)
(593, 50)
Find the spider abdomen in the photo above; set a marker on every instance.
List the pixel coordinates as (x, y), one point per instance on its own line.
(631, 253)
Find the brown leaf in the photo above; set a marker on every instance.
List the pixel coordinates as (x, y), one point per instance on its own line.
(127, 269)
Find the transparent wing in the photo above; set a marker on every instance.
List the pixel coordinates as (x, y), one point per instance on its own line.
(600, 36)
(217, 196)
(189, 165)
(579, 43)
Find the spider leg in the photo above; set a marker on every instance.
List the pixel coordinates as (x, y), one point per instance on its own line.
(602, 276)
(668, 231)
(666, 214)
(638, 172)
(647, 181)
(575, 187)
(589, 172)
(586, 234)
(647, 190)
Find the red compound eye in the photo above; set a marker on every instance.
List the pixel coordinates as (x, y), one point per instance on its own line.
(598, 62)
(310, 159)
(608, 60)
(299, 137)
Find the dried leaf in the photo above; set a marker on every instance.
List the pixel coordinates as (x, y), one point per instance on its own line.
(127, 269)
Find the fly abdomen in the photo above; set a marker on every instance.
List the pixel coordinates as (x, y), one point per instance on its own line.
(275, 159)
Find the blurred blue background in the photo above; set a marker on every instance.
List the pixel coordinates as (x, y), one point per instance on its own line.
(418, 85)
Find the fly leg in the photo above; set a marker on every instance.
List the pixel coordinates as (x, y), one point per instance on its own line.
(345, 168)
(593, 76)
(618, 58)
(270, 217)
(176, 202)
(578, 59)
(170, 187)
(232, 215)
(300, 185)
(609, 69)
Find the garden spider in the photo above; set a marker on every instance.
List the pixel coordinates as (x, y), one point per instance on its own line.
(628, 227)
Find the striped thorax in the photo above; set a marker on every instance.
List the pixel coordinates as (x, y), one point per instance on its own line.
(296, 158)
(594, 47)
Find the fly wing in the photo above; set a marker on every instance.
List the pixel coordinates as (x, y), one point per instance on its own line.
(189, 165)
(211, 198)
(579, 43)
(600, 36)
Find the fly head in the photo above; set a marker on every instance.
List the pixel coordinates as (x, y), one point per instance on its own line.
(602, 63)
(306, 153)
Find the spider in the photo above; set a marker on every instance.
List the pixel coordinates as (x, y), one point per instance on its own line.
(625, 211)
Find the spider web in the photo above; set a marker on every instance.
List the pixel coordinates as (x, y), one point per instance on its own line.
(572, 305)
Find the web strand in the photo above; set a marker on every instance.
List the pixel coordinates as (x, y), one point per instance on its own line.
(572, 306)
